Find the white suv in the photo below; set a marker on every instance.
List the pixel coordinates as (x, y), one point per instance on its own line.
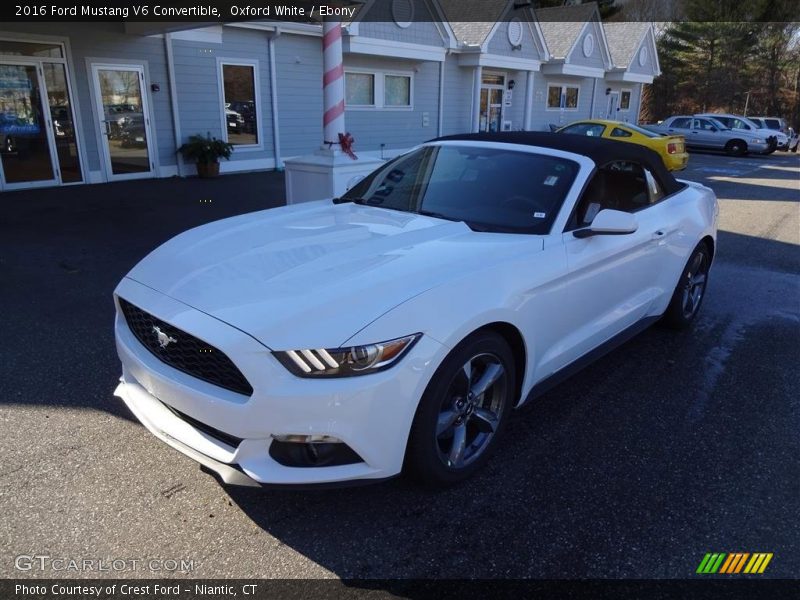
(776, 124)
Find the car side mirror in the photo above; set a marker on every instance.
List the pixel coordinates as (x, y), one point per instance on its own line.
(714, 129)
(609, 222)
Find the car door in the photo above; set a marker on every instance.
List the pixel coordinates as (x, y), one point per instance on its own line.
(613, 280)
(703, 134)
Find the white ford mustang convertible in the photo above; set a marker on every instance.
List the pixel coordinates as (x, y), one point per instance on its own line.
(394, 328)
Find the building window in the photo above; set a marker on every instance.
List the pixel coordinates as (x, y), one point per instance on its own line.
(397, 90)
(240, 103)
(36, 49)
(562, 96)
(625, 100)
(493, 79)
(378, 90)
(359, 89)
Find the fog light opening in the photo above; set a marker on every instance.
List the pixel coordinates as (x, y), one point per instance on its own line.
(312, 451)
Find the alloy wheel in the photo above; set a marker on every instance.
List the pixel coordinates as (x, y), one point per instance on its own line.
(471, 410)
(694, 285)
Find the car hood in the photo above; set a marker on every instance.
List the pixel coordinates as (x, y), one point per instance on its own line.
(314, 274)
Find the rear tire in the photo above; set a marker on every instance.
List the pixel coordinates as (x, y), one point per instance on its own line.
(690, 291)
(736, 148)
(463, 411)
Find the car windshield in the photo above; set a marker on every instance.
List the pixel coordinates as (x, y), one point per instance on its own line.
(489, 189)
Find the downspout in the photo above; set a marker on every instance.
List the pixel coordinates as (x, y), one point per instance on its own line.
(594, 98)
(173, 99)
(440, 129)
(528, 101)
(273, 92)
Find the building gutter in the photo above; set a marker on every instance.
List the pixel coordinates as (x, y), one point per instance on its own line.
(273, 89)
(173, 99)
(440, 128)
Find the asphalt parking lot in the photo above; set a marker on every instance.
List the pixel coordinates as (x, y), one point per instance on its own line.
(672, 446)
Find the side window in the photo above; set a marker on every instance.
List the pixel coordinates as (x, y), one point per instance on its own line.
(619, 185)
(681, 123)
(588, 129)
(704, 124)
(620, 133)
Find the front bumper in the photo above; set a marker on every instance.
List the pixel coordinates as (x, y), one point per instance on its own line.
(372, 414)
(759, 148)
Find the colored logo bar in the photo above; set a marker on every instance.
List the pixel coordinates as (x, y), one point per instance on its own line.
(734, 562)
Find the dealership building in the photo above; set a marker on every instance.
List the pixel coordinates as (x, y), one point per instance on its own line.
(108, 101)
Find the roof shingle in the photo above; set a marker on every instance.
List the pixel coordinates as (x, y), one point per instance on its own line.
(472, 20)
(562, 25)
(623, 40)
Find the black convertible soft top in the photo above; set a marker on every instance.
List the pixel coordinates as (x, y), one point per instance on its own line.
(600, 150)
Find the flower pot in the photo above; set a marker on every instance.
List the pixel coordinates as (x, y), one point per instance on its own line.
(207, 169)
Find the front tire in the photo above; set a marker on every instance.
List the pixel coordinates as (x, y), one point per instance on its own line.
(463, 411)
(736, 148)
(690, 291)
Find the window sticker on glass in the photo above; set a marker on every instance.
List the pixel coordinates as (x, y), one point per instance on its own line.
(551, 180)
(539, 215)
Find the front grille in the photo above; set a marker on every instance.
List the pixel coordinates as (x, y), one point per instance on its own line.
(184, 352)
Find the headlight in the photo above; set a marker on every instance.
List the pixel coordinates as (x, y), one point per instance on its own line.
(346, 362)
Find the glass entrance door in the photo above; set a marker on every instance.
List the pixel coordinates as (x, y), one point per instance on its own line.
(123, 117)
(491, 108)
(26, 148)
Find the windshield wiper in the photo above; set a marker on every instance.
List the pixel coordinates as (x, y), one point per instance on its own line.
(436, 215)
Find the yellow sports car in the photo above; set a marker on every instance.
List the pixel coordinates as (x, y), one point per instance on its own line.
(671, 148)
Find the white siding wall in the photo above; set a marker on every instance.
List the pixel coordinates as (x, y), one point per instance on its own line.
(199, 94)
(542, 116)
(457, 97)
(299, 80)
(396, 128)
(380, 24)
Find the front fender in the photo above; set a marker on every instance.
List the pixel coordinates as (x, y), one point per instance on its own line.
(448, 314)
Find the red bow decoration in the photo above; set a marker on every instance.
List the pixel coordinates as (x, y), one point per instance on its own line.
(346, 142)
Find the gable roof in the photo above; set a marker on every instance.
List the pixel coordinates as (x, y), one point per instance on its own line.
(624, 39)
(472, 32)
(562, 25)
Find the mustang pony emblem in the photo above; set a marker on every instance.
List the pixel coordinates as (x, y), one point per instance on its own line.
(164, 340)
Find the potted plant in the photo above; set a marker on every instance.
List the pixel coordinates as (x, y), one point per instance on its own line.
(206, 152)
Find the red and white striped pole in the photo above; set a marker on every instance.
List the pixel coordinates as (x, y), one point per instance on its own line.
(332, 81)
